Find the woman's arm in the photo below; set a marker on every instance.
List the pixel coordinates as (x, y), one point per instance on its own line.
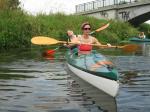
(98, 43)
(95, 41)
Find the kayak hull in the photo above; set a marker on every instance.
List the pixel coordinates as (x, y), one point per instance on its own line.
(136, 39)
(110, 87)
(102, 77)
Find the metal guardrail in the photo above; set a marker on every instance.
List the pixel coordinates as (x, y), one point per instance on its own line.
(101, 3)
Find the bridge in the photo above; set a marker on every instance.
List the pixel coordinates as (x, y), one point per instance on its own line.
(133, 11)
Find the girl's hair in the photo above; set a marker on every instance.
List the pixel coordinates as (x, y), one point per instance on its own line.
(84, 24)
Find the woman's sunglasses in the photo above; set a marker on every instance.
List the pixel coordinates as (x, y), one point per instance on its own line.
(86, 28)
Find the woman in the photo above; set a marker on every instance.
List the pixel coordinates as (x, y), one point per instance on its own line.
(85, 39)
(85, 48)
(142, 35)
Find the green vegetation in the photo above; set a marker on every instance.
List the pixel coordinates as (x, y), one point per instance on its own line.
(15, 30)
(14, 26)
(9, 4)
(17, 27)
(145, 28)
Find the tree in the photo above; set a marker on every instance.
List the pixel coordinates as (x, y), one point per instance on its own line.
(9, 4)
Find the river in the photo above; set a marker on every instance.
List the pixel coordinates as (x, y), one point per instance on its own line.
(31, 83)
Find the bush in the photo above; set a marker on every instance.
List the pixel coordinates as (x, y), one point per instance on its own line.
(17, 28)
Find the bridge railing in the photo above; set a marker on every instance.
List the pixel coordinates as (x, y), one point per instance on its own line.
(101, 3)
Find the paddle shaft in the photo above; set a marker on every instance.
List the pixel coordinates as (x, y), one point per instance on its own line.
(100, 29)
(98, 45)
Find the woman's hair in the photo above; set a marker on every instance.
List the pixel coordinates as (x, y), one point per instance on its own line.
(84, 24)
(141, 33)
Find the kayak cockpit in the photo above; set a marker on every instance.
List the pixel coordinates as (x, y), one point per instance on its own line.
(93, 63)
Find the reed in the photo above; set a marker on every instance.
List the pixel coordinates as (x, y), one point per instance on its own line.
(14, 29)
(18, 27)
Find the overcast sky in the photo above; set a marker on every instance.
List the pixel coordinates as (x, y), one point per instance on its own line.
(47, 6)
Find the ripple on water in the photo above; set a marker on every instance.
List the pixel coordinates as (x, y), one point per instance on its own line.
(134, 76)
(40, 86)
(45, 86)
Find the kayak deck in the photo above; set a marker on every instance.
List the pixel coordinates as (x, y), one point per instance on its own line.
(94, 63)
(136, 39)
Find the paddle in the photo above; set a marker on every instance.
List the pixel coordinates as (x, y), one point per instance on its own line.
(100, 29)
(50, 57)
(126, 48)
(40, 40)
(50, 51)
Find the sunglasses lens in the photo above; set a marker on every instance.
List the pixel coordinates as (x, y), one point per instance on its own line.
(87, 28)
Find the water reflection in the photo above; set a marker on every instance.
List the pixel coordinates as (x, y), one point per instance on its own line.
(38, 85)
(135, 80)
(29, 83)
(145, 49)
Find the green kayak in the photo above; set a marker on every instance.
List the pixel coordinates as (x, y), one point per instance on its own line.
(95, 69)
(136, 39)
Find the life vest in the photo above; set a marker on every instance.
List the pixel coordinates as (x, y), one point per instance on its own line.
(85, 46)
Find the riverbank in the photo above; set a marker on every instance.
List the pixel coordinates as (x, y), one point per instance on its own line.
(17, 28)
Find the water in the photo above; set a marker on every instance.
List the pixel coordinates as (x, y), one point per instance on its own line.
(29, 83)
(134, 71)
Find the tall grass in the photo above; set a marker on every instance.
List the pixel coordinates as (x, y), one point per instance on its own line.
(14, 30)
(56, 25)
(17, 28)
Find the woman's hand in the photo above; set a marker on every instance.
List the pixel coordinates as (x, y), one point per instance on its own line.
(67, 45)
(70, 33)
(108, 45)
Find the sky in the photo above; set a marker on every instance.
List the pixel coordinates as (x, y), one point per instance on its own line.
(51, 6)
(47, 6)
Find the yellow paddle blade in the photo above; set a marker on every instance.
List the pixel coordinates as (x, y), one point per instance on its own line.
(41, 40)
(130, 48)
(102, 28)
